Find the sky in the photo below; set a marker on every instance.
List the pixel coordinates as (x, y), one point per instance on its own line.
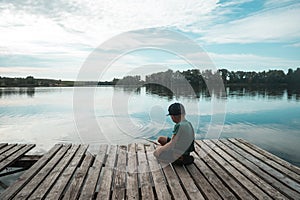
(54, 39)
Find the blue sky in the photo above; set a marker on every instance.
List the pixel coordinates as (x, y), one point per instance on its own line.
(52, 39)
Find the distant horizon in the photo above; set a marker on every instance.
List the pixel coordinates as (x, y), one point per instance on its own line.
(135, 75)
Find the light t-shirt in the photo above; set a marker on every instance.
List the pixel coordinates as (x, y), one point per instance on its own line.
(184, 136)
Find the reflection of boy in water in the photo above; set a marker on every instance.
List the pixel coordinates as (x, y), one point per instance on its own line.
(178, 147)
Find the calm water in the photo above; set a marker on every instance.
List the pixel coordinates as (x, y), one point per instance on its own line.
(269, 118)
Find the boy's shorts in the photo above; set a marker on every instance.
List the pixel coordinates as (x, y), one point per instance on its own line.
(168, 156)
(168, 139)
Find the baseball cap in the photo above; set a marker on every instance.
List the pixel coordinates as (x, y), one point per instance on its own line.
(176, 109)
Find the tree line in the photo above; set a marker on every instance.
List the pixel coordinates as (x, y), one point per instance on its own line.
(196, 78)
(30, 81)
(170, 79)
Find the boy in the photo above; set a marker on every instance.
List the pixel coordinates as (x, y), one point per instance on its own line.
(177, 149)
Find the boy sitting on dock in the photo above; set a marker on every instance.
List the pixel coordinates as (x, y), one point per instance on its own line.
(178, 148)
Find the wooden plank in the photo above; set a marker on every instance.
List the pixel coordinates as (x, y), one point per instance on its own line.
(74, 190)
(15, 156)
(280, 174)
(201, 182)
(3, 145)
(232, 169)
(107, 176)
(253, 164)
(188, 183)
(226, 177)
(273, 157)
(132, 178)
(159, 181)
(29, 174)
(120, 174)
(241, 173)
(6, 148)
(173, 183)
(65, 177)
(270, 162)
(144, 174)
(11, 151)
(58, 169)
(254, 171)
(212, 178)
(93, 176)
(43, 173)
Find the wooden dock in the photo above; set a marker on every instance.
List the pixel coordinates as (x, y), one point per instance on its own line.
(223, 169)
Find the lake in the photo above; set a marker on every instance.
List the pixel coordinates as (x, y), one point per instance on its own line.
(267, 117)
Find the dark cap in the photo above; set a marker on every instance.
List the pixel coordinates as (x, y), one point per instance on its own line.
(176, 109)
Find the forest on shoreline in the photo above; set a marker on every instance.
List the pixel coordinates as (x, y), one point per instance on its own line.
(30, 81)
(194, 77)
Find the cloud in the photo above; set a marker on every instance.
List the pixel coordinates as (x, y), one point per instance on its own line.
(278, 3)
(64, 32)
(296, 45)
(23, 33)
(90, 22)
(269, 25)
(252, 62)
(233, 3)
(22, 70)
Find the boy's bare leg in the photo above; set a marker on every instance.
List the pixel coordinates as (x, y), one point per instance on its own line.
(162, 140)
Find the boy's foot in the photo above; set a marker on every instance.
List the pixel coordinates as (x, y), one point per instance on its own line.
(184, 160)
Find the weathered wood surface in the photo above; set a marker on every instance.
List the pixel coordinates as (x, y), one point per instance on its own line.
(223, 169)
(10, 153)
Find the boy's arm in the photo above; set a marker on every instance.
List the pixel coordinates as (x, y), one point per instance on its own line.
(166, 147)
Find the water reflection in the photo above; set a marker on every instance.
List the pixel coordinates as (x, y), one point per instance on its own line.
(266, 116)
(270, 92)
(29, 91)
(129, 89)
(290, 93)
(293, 93)
(232, 91)
(159, 90)
(187, 92)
